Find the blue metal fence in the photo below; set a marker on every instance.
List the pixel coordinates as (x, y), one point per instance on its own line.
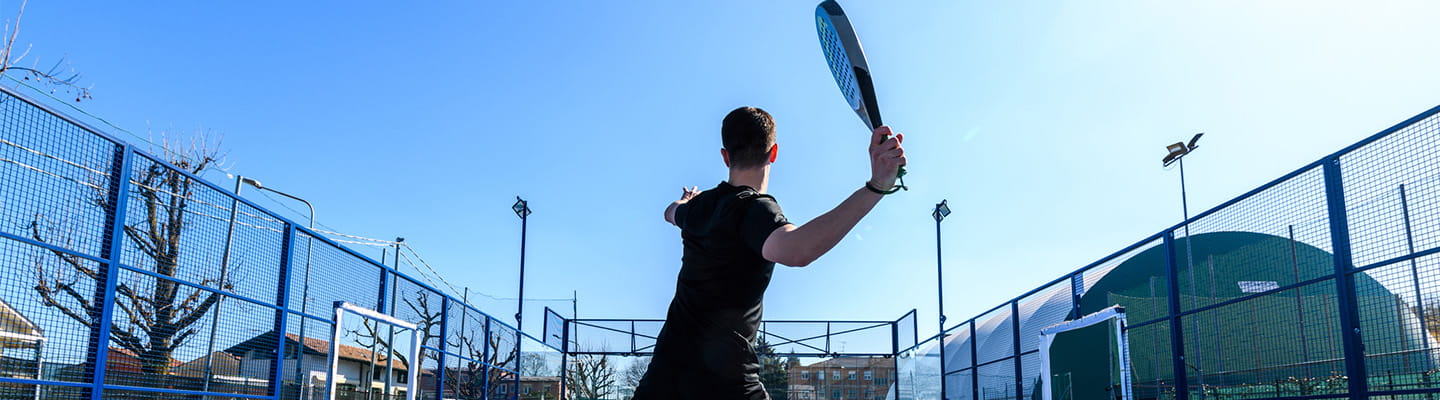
(1321, 284)
(125, 275)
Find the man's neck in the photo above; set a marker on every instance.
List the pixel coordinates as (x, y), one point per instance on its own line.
(758, 178)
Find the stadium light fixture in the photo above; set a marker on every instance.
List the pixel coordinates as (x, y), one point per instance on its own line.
(521, 208)
(1180, 149)
(942, 210)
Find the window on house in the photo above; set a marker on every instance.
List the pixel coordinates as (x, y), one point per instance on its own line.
(820, 375)
(525, 390)
(852, 376)
(804, 375)
(837, 375)
(835, 394)
(869, 375)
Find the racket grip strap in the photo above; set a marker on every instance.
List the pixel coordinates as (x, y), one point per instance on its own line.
(876, 190)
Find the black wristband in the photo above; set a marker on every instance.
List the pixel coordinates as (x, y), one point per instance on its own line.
(872, 189)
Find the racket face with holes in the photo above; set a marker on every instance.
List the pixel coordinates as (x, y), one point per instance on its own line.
(847, 61)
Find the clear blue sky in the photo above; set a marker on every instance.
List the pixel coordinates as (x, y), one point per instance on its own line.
(1042, 123)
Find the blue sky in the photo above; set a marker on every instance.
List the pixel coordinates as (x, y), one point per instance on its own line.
(1042, 123)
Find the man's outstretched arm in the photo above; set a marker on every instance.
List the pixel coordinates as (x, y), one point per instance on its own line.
(799, 246)
(689, 193)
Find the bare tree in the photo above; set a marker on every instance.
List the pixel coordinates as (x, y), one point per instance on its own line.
(469, 380)
(635, 371)
(534, 364)
(377, 338)
(497, 377)
(159, 313)
(59, 75)
(592, 377)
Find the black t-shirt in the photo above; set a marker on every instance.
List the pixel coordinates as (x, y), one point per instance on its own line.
(721, 286)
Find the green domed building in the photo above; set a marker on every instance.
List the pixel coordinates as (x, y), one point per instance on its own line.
(1284, 343)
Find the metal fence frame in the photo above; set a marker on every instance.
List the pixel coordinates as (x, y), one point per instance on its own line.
(1343, 276)
(110, 265)
(1330, 169)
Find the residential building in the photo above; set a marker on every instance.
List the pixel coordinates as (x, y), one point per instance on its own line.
(857, 378)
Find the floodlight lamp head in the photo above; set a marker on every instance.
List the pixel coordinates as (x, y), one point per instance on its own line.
(521, 207)
(1176, 150)
(1193, 140)
(942, 210)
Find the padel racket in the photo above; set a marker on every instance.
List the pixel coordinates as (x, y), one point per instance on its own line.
(847, 63)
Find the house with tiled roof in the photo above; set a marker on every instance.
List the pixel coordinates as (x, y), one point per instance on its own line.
(306, 366)
(21, 343)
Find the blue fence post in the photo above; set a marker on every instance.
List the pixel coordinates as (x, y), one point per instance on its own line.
(384, 287)
(564, 354)
(277, 372)
(111, 251)
(1015, 346)
(1177, 330)
(485, 360)
(444, 347)
(1344, 282)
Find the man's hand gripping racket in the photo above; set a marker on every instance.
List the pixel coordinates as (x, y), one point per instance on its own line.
(847, 64)
(886, 156)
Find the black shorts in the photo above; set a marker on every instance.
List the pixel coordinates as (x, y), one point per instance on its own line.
(720, 367)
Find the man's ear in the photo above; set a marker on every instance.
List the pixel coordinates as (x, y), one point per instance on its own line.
(774, 151)
(726, 156)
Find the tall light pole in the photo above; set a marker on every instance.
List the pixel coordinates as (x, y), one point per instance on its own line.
(1177, 153)
(309, 246)
(309, 238)
(522, 210)
(240, 182)
(942, 210)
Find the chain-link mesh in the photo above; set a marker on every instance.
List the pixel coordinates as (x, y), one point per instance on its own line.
(187, 290)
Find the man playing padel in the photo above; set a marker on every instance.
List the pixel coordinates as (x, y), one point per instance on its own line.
(733, 235)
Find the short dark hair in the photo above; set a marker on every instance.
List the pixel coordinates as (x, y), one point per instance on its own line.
(748, 133)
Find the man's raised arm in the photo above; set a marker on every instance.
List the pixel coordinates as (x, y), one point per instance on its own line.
(689, 193)
(799, 246)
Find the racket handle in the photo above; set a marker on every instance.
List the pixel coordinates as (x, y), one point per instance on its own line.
(900, 174)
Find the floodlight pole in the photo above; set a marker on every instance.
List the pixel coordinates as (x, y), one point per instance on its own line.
(522, 210)
(941, 210)
(1184, 203)
(1178, 151)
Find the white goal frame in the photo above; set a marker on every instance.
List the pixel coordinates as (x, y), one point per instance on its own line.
(412, 370)
(1115, 315)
